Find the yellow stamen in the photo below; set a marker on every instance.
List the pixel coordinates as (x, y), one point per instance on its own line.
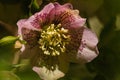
(54, 39)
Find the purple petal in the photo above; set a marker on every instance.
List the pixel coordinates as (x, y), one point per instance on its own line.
(30, 36)
(66, 16)
(68, 5)
(73, 46)
(20, 25)
(88, 48)
(73, 19)
(25, 23)
(35, 21)
(42, 17)
(46, 9)
(33, 24)
(27, 32)
(83, 45)
(57, 12)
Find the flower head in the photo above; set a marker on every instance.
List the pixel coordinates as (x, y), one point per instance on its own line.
(57, 33)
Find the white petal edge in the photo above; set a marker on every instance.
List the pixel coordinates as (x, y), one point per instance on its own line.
(88, 48)
(46, 74)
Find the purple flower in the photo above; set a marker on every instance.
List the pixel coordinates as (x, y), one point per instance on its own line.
(55, 37)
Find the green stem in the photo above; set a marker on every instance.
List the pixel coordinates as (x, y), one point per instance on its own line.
(15, 61)
(16, 57)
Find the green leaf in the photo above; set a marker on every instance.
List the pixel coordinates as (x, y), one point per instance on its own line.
(8, 40)
(24, 64)
(34, 6)
(8, 75)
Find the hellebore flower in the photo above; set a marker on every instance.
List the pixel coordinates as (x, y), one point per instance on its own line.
(55, 37)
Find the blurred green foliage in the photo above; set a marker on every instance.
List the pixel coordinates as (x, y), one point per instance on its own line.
(102, 17)
(8, 75)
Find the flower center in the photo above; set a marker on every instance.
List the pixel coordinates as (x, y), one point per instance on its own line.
(53, 40)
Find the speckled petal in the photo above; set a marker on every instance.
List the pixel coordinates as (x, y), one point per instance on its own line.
(73, 19)
(43, 17)
(30, 36)
(83, 46)
(27, 28)
(88, 48)
(20, 25)
(74, 44)
(65, 15)
(34, 22)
